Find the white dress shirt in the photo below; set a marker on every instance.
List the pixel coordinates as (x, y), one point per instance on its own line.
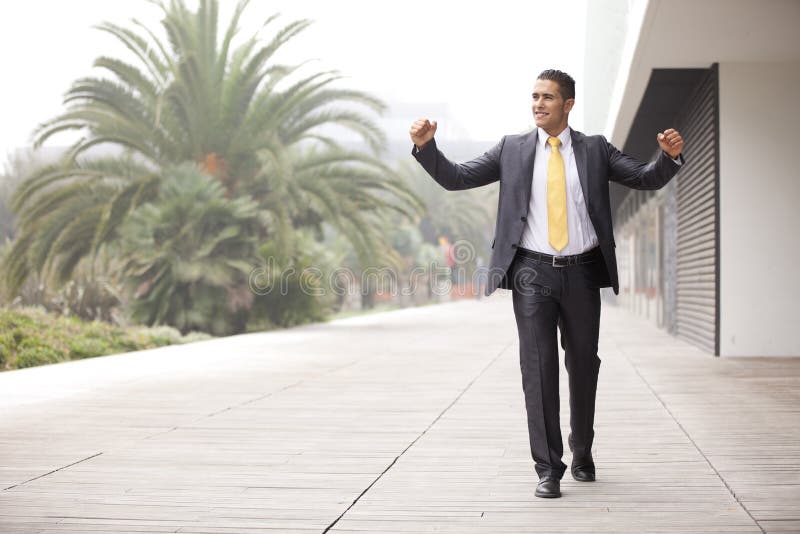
(580, 231)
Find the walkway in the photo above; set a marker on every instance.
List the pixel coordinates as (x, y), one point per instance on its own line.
(410, 421)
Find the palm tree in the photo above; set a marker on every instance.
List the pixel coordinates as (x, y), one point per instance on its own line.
(226, 106)
(188, 254)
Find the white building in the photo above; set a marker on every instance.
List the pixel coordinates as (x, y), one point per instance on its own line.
(712, 256)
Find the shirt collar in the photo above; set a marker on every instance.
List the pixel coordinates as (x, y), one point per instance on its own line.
(565, 136)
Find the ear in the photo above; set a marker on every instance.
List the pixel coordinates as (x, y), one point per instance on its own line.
(568, 104)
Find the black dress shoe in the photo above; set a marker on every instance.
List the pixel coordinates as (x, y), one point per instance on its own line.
(549, 487)
(583, 472)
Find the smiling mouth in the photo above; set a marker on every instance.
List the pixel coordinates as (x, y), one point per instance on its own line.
(540, 114)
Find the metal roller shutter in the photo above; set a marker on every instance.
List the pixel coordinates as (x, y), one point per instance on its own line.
(697, 243)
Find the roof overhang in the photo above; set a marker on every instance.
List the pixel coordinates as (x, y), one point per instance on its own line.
(684, 35)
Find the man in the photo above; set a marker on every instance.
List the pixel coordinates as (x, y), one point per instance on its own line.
(554, 249)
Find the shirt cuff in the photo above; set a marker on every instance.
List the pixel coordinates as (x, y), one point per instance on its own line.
(677, 160)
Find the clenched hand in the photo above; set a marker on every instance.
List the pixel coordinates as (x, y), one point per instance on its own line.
(422, 131)
(670, 142)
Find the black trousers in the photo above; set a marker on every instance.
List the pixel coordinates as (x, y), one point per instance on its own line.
(548, 298)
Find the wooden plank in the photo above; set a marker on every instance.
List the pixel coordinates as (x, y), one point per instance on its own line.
(282, 432)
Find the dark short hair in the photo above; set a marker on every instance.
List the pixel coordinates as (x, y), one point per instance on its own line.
(565, 82)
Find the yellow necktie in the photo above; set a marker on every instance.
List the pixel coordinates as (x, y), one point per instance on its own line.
(556, 197)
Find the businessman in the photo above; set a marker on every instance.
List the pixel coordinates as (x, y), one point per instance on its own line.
(554, 249)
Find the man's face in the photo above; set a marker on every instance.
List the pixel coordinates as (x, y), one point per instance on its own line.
(550, 110)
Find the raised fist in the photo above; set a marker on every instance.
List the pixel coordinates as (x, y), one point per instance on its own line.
(670, 142)
(422, 131)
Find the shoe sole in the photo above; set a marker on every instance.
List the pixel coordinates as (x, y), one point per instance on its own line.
(548, 496)
(592, 479)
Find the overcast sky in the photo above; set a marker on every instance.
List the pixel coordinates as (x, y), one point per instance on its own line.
(479, 58)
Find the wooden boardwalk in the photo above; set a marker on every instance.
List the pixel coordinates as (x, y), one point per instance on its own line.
(410, 421)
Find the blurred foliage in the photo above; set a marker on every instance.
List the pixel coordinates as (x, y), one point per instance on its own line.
(31, 336)
(197, 101)
(293, 289)
(463, 217)
(18, 166)
(454, 214)
(94, 299)
(225, 176)
(187, 255)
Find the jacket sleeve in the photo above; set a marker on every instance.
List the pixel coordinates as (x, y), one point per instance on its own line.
(635, 174)
(452, 176)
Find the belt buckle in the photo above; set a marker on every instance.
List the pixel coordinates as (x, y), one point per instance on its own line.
(555, 264)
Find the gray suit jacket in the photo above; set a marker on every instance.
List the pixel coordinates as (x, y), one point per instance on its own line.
(511, 162)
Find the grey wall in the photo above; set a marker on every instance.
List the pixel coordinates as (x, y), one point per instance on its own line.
(759, 209)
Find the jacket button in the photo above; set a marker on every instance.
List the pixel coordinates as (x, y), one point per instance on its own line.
(513, 245)
(523, 218)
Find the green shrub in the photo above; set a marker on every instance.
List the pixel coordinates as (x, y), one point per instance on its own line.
(30, 337)
(162, 335)
(123, 343)
(36, 355)
(87, 347)
(17, 336)
(285, 295)
(191, 337)
(5, 353)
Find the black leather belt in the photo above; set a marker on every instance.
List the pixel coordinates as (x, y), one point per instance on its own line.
(590, 256)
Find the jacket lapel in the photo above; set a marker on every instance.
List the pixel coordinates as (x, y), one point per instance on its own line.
(527, 147)
(579, 149)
